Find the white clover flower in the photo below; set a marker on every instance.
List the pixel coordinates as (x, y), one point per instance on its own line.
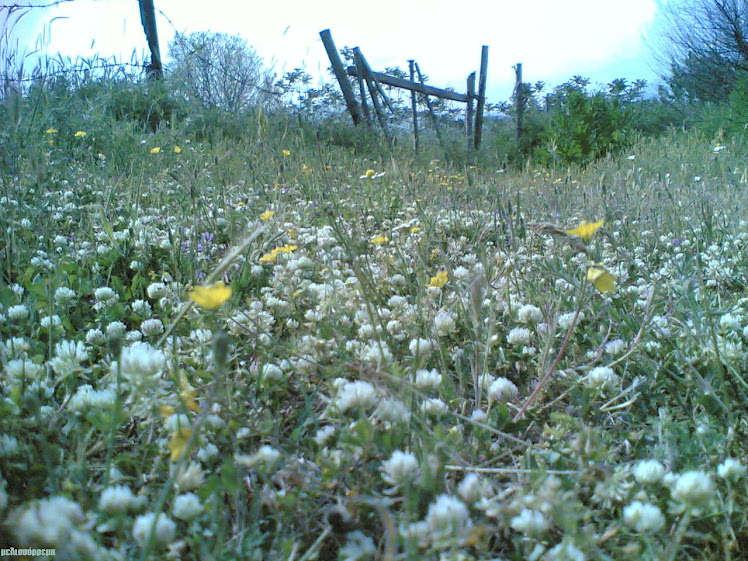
(18, 313)
(17, 289)
(694, 488)
(444, 323)
(165, 529)
(187, 507)
(64, 296)
(420, 347)
(393, 411)
(21, 368)
(86, 398)
(728, 322)
(529, 314)
(14, 348)
(428, 379)
(106, 296)
(564, 551)
(502, 389)
(152, 327)
(472, 488)
(50, 321)
(140, 361)
(433, 407)
(355, 394)
(69, 356)
(601, 377)
(519, 336)
(529, 522)
(358, 546)
(375, 352)
(142, 308)
(118, 498)
(401, 469)
(615, 347)
(643, 517)
(324, 435)
(649, 471)
(156, 290)
(731, 469)
(266, 457)
(564, 320)
(116, 330)
(447, 517)
(49, 522)
(95, 337)
(190, 477)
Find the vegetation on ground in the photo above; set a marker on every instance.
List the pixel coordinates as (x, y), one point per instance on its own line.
(267, 336)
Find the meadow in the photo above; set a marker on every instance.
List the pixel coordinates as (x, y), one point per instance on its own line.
(272, 346)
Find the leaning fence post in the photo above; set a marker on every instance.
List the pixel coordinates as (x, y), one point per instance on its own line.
(431, 112)
(148, 20)
(339, 71)
(469, 116)
(414, 105)
(481, 95)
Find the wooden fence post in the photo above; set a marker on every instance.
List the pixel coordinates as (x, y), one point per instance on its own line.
(361, 86)
(148, 20)
(339, 71)
(414, 105)
(481, 95)
(469, 116)
(519, 100)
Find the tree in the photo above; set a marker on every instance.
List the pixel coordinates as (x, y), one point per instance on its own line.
(218, 71)
(705, 46)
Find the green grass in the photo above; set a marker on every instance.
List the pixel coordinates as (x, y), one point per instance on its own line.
(300, 392)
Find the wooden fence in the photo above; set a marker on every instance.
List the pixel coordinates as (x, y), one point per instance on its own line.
(372, 81)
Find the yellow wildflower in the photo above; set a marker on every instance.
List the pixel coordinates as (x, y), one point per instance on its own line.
(178, 443)
(210, 297)
(586, 229)
(415, 230)
(380, 240)
(273, 255)
(80, 134)
(155, 150)
(51, 131)
(267, 215)
(177, 150)
(439, 280)
(602, 279)
(286, 153)
(369, 173)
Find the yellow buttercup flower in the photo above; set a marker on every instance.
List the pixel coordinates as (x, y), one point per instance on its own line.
(178, 443)
(80, 134)
(177, 150)
(267, 215)
(586, 229)
(286, 153)
(210, 297)
(439, 280)
(155, 150)
(273, 255)
(51, 131)
(601, 279)
(380, 240)
(369, 173)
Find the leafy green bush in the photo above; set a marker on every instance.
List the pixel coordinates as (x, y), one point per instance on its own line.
(588, 125)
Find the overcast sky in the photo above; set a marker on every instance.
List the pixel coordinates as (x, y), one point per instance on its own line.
(553, 39)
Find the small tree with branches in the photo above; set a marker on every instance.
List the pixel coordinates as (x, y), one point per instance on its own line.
(218, 71)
